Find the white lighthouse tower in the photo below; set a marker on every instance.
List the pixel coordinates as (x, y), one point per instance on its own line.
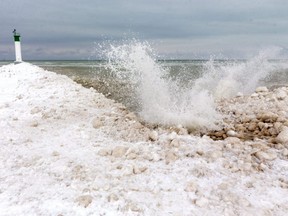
(17, 47)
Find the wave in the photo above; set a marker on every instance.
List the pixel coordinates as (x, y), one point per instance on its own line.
(167, 100)
(161, 99)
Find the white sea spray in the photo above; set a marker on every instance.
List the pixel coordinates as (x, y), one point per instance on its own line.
(162, 100)
(225, 80)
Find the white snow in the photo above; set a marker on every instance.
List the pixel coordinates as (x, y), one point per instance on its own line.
(68, 150)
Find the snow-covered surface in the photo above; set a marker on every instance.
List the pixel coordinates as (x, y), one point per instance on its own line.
(67, 150)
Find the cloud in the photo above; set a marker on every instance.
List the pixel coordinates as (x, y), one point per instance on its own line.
(209, 25)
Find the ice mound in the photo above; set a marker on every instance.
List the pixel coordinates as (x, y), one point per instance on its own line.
(262, 114)
(68, 150)
(50, 88)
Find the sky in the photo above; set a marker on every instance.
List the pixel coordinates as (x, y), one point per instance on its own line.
(187, 29)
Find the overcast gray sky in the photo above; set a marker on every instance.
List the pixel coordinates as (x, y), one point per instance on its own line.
(69, 29)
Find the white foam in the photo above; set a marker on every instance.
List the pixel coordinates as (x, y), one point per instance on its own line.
(162, 100)
(225, 80)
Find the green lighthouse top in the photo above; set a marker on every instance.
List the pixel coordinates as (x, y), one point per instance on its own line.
(16, 36)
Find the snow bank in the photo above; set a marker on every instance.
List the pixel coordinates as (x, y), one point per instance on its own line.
(67, 150)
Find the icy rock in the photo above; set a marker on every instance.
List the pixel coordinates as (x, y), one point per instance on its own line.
(285, 152)
(261, 89)
(104, 152)
(285, 123)
(152, 156)
(283, 135)
(172, 136)
(280, 94)
(55, 153)
(138, 169)
(259, 146)
(133, 207)
(239, 94)
(245, 119)
(262, 167)
(106, 187)
(243, 202)
(128, 170)
(200, 171)
(191, 187)
(170, 157)
(153, 135)
(119, 151)
(267, 116)
(131, 156)
(131, 116)
(175, 143)
(277, 125)
(20, 96)
(233, 140)
(214, 154)
(183, 131)
(223, 186)
(254, 95)
(113, 197)
(34, 123)
(261, 155)
(84, 200)
(148, 156)
(202, 202)
(231, 133)
(252, 126)
(35, 110)
(262, 125)
(97, 123)
(245, 166)
(219, 134)
(157, 157)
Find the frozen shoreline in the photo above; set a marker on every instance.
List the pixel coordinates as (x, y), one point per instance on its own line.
(68, 150)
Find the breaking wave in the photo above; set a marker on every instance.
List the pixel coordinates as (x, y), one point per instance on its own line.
(167, 100)
(161, 100)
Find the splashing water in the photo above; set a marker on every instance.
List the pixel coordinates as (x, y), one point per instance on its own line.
(170, 100)
(167, 100)
(226, 80)
(161, 100)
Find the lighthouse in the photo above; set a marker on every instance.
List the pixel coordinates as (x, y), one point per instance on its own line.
(17, 47)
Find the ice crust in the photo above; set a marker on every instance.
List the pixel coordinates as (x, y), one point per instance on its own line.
(68, 150)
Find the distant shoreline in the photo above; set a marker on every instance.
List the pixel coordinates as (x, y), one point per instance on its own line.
(159, 60)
